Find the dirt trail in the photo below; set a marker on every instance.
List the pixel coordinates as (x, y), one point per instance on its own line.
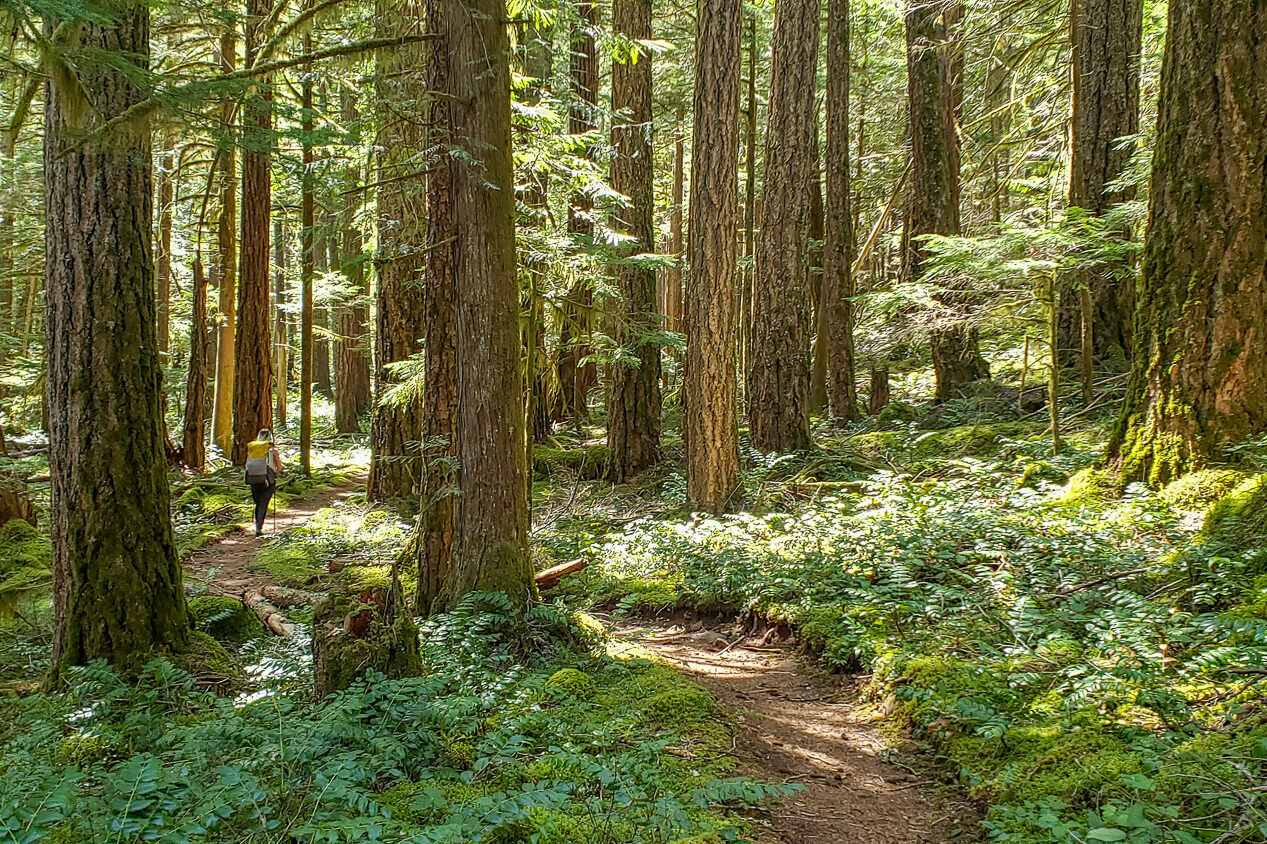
(231, 556)
(797, 727)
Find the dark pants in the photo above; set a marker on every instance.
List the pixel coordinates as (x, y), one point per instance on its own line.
(261, 494)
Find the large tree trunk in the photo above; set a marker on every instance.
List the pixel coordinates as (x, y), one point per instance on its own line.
(1106, 57)
(307, 260)
(673, 275)
(575, 379)
(778, 374)
(633, 427)
(710, 392)
(490, 539)
(352, 382)
(431, 546)
(166, 193)
(281, 326)
(396, 430)
(253, 353)
(117, 591)
(226, 268)
(836, 325)
(193, 439)
(1200, 359)
(933, 198)
(750, 200)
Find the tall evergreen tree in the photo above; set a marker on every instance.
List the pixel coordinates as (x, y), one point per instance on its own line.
(396, 429)
(117, 591)
(933, 198)
(352, 378)
(226, 266)
(633, 426)
(710, 392)
(779, 373)
(1200, 361)
(490, 537)
(253, 352)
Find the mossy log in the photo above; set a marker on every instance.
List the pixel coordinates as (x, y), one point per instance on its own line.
(357, 632)
(270, 615)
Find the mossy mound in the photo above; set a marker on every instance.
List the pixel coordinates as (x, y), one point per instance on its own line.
(1090, 487)
(682, 705)
(208, 661)
(225, 619)
(351, 637)
(897, 413)
(570, 682)
(1237, 524)
(588, 462)
(992, 440)
(1040, 470)
(1199, 490)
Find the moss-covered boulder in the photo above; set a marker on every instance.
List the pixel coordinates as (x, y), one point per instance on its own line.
(1090, 487)
(686, 704)
(1038, 471)
(210, 663)
(357, 632)
(1237, 524)
(1199, 490)
(897, 413)
(225, 619)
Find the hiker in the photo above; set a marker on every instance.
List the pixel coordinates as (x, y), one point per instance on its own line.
(263, 465)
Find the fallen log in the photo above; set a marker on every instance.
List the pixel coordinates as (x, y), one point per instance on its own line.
(551, 576)
(287, 598)
(270, 615)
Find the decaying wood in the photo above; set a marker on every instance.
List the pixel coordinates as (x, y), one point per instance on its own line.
(270, 615)
(551, 576)
(283, 597)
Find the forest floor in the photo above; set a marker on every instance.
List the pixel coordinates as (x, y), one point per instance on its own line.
(224, 566)
(796, 724)
(793, 723)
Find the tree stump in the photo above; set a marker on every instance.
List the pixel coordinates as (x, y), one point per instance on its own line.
(879, 389)
(357, 632)
(14, 501)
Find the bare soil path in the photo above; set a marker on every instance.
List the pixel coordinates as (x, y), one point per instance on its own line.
(227, 561)
(797, 726)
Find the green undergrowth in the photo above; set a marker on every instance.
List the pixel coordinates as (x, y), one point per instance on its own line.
(362, 542)
(1086, 658)
(524, 730)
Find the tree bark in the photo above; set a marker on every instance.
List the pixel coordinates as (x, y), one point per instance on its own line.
(933, 199)
(673, 276)
(396, 429)
(306, 267)
(226, 266)
(750, 200)
(281, 329)
(778, 375)
(575, 379)
(1200, 359)
(193, 438)
(352, 394)
(490, 539)
(432, 543)
(117, 591)
(838, 224)
(710, 392)
(166, 166)
(253, 353)
(633, 427)
(1107, 38)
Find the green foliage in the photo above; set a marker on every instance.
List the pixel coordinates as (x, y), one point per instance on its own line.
(26, 557)
(225, 619)
(464, 754)
(1061, 649)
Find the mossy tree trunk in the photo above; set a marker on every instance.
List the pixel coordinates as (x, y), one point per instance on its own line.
(396, 429)
(117, 591)
(633, 427)
(253, 352)
(933, 197)
(490, 538)
(1200, 359)
(836, 303)
(1106, 61)
(710, 391)
(778, 373)
(281, 326)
